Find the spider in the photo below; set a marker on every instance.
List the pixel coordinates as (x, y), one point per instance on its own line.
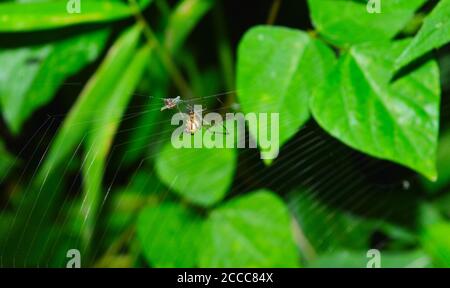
(194, 122)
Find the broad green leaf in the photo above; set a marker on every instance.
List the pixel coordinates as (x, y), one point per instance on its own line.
(95, 93)
(18, 17)
(278, 69)
(201, 175)
(28, 79)
(359, 259)
(443, 166)
(184, 18)
(436, 241)
(145, 127)
(345, 22)
(396, 121)
(250, 231)
(434, 33)
(170, 235)
(100, 137)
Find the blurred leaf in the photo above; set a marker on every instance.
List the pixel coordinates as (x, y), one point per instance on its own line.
(443, 166)
(118, 261)
(7, 161)
(436, 241)
(201, 175)
(100, 139)
(29, 80)
(327, 228)
(443, 204)
(124, 204)
(278, 69)
(395, 121)
(54, 14)
(183, 19)
(170, 235)
(95, 94)
(354, 259)
(428, 215)
(250, 231)
(344, 22)
(435, 32)
(145, 129)
(401, 236)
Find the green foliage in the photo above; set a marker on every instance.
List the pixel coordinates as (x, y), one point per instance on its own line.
(443, 160)
(53, 14)
(358, 259)
(7, 162)
(101, 174)
(238, 234)
(347, 22)
(280, 67)
(95, 93)
(436, 241)
(398, 121)
(233, 235)
(170, 235)
(434, 33)
(27, 79)
(324, 225)
(184, 170)
(183, 19)
(99, 141)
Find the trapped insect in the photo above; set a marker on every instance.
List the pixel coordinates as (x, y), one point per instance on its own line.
(170, 103)
(194, 120)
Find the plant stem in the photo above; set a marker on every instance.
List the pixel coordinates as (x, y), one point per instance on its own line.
(225, 53)
(302, 242)
(274, 12)
(165, 57)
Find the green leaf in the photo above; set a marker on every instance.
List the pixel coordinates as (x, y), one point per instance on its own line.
(344, 22)
(99, 140)
(250, 231)
(54, 14)
(443, 166)
(436, 241)
(182, 21)
(184, 18)
(434, 33)
(95, 93)
(201, 175)
(443, 204)
(145, 127)
(327, 228)
(170, 235)
(396, 121)
(7, 162)
(28, 79)
(359, 259)
(278, 69)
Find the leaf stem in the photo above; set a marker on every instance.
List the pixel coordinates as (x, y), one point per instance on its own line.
(274, 12)
(164, 55)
